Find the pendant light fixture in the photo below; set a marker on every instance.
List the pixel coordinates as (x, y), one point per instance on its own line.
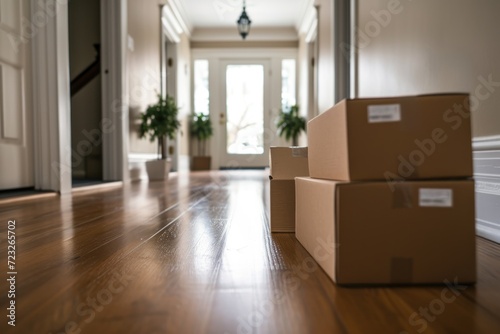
(244, 23)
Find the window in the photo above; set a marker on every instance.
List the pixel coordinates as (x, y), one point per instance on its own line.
(287, 83)
(201, 90)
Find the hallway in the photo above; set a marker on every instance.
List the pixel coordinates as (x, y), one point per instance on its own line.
(194, 255)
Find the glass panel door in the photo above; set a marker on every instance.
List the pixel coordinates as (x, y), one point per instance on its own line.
(246, 115)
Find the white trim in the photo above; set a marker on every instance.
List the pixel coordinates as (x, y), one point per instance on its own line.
(51, 100)
(169, 30)
(308, 23)
(487, 164)
(170, 16)
(257, 34)
(180, 15)
(97, 187)
(486, 143)
(488, 230)
(487, 175)
(312, 32)
(488, 187)
(224, 53)
(174, 21)
(353, 56)
(114, 89)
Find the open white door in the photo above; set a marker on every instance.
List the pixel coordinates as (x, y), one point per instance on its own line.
(16, 141)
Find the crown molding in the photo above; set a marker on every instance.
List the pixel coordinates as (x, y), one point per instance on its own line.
(307, 24)
(174, 21)
(256, 34)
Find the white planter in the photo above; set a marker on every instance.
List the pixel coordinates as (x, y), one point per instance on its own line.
(158, 169)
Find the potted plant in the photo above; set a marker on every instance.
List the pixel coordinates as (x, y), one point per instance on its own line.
(159, 122)
(201, 130)
(291, 124)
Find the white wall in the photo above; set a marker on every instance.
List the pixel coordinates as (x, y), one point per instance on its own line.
(430, 46)
(303, 98)
(305, 83)
(143, 61)
(487, 177)
(325, 61)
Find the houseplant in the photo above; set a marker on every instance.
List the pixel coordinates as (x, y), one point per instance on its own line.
(201, 129)
(159, 122)
(290, 124)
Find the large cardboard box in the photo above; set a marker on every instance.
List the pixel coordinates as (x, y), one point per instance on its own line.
(285, 164)
(415, 137)
(365, 233)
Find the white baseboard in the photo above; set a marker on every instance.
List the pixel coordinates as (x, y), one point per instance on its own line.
(488, 230)
(486, 143)
(487, 175)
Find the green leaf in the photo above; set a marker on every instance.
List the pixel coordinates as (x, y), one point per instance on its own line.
(160, 120)
(290, 124)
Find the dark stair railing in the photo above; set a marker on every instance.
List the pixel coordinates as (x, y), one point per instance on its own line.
(88, 74)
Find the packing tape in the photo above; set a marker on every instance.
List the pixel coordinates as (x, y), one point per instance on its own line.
(401, 270)
(299, 152)
(402, 196)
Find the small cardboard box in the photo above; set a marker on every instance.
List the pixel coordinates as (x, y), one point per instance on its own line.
(423, 232)
(285, 164)
(415, 137)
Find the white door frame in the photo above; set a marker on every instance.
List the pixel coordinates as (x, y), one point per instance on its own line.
(115, 120)
(52, 98)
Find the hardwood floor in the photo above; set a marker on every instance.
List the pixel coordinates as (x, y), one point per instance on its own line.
(195, 255)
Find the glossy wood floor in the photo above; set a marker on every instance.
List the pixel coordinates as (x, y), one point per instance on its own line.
(194, 255)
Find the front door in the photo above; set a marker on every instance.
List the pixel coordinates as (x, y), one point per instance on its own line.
(16, 141)
(245, 118)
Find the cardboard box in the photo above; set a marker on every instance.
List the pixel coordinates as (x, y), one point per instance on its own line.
(282, 206)
(416, 137)
(285, 164)
(423, 232)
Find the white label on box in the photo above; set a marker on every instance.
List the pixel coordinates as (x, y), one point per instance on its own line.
(384, 113)
(299, 152)
(442, 198)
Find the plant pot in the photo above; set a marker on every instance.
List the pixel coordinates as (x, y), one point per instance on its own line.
(201, 163)
(158, 169)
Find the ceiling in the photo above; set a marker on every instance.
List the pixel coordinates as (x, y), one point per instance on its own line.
(225, 13)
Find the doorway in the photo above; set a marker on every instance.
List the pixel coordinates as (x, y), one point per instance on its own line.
(86, 97)
(246, 114)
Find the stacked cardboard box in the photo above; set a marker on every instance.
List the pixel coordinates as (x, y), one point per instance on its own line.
(285, 163)
(390, 199)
